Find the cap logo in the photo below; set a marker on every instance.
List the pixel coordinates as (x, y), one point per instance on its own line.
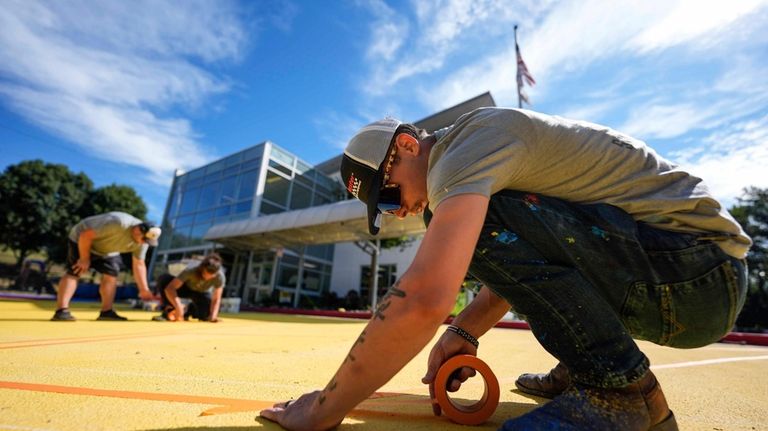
(353, 185)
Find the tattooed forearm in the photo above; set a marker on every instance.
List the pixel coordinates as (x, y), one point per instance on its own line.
(331, 386)
(360, 340)
(387, 300)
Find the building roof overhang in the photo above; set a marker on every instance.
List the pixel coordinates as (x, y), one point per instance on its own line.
(336, 222)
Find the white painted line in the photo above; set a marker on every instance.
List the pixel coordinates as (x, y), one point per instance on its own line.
(709, 362)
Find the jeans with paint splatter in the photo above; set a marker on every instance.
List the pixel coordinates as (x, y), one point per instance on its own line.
(589, 279)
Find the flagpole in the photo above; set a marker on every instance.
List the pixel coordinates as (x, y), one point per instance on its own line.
(517, 51)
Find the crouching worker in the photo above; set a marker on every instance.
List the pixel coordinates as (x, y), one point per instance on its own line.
(587, 232)
(96, 242)
(203, 284)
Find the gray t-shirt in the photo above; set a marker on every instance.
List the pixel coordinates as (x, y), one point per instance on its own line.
(113, 234)
(192, 279)
(492, 149)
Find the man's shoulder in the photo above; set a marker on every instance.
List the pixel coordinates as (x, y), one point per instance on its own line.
(112, 218)
(124, 218)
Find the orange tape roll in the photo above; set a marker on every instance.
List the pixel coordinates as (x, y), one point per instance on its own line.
(476, 413)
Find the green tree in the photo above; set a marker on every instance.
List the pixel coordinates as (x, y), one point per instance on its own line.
(114, 198)
(752, 212)
(38, 203)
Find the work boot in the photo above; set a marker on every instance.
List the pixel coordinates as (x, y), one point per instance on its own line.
(63, 315)
(547, 385)
(110, 315)
(640, 406)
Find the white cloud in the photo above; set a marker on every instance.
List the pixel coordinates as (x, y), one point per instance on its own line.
(445, 28)
(691, 20)
(731, 159)
(667, 121)
(741, 91)
(336, 129)
(107, 75)
(388, 32)
(570, 36)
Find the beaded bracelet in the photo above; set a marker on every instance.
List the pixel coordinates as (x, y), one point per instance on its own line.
(464, 334)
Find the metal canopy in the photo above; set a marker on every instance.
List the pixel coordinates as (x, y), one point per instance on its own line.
(337, 222)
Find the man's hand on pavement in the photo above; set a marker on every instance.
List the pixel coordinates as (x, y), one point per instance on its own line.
(299, 414)
(448, 346)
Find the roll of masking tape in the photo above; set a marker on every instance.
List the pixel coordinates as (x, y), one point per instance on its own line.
(476, 413)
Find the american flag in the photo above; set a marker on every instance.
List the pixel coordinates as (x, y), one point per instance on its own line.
(523, 75)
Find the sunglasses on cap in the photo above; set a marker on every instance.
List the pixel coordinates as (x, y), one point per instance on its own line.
(389, 199)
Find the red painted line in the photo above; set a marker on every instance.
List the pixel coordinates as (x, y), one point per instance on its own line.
(746, 338)
(79, 340)
(224, 405)
(323, 313)
(731, 337)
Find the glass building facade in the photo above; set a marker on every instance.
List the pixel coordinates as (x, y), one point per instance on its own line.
(260, 180)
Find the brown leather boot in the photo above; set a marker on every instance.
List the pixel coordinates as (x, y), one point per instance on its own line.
(547, 385)
(640, 406)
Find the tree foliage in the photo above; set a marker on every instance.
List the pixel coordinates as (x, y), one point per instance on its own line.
(752, 213)
(38, 201)
(115, 198)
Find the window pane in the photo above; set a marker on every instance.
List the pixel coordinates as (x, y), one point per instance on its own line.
(253, 153)
(184, 220)
(250, 164)
(180, 238)
(311, 281)
(197, 173)
(288, 276)
(268, 208)
(322, 251)
(215, 167)
(266, 274)
(223, 211)
(203, 216)
(321, 199)
(248, 184)
(244, 207)
(198, 231)
(228, 187)
(174, 202)
(303, 168)
(233, 160)
(197, 182)
(301, 197)
(326, 183)
(276, 188)
(208, 196)
(282, 156)
(189, 201)
(278, 167)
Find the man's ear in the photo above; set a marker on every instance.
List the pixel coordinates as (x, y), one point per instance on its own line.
(407, 143)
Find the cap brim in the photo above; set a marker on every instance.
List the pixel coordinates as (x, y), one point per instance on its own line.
(374, 215)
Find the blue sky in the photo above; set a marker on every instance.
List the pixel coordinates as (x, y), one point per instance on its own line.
(129, 91)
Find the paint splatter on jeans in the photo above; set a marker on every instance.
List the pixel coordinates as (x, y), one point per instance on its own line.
(589, 279)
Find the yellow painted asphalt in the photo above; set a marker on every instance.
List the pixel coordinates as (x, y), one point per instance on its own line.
(144, 375)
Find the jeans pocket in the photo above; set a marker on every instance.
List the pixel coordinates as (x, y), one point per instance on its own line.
(684, 314)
